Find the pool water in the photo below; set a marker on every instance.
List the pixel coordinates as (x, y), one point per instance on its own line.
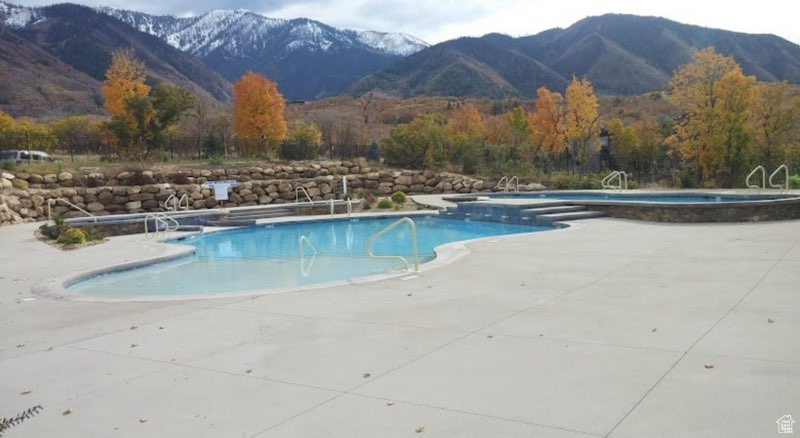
(268, 257)
(655, 197)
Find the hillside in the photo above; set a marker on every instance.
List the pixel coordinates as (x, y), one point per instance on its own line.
(35, 83)
(620, 54)
(84, 39)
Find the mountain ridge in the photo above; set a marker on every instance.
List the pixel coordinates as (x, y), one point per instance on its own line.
(618, 53)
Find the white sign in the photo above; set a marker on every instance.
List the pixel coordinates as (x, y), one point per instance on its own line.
(221, 188)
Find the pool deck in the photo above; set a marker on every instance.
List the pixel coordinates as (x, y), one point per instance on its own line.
(609, 328)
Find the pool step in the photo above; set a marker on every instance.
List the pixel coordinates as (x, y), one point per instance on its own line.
(552, 209)
(570, 216)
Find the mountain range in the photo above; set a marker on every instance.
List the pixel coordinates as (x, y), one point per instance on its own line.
(54, 57)
(619, 54)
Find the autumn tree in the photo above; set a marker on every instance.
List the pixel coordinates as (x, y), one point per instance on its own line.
(622, 140)
(581, 121)
(776, 123)
(465, 133)
(548, 132)
(715, 134)
(302, 142)
(258, 112)
(6, 122)
(124, 78)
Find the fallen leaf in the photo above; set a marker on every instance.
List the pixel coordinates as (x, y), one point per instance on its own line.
(419, 429)
(654, 330)
(134, 345)
(67, 412)
(25, 392)
(709, 366)
(248, 371)
(20, 345)
(133, 327)
(389, 403)
(143, 420)
(366, 375)
(770, 320)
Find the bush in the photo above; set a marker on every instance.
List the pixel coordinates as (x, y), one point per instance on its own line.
(385, 203)
(794, 182)
(92, 234)
(72, 236)
(399, 198)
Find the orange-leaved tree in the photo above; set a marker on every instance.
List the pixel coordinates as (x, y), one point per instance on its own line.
(258, 113)
(124, 78)
(581, 120)
(547, 124)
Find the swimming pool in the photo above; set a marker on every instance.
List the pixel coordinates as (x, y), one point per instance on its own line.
(268, 257)
(666, 197)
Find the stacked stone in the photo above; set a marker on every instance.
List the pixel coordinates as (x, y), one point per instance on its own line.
(26, 196)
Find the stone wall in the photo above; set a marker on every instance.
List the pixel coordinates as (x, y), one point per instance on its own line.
(24, 197)
(719, 212)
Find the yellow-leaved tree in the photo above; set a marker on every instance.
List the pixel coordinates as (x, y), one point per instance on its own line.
(581, 120)
(776, 124)
(465, 132)
(124, 79)
(258, 113)
(548, 133)
(715, 134)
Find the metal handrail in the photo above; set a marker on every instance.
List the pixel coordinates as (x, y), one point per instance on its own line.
(349, 206)
(393, 225)
(763, 178)
(785, 169)
(166, 203)
(621, 176)
(176, 202)
(515, 180)
(52, 201)
(500, 183)
(159, 218)
(305, 270)
(297, 191)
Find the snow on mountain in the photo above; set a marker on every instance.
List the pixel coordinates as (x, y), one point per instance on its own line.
(239, 31)
(18, 16)
(398, 43)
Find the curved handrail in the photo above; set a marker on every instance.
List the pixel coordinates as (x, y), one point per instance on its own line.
(515, 180)
(52, 201)
(393, 225)
(500, 183)
(305, 270)
(297, 191)
(622, 179)
(156, 218)
(166, 203)
(180, 201)
(763, 178)
(159, 219)
(349, 206)
(785, 169)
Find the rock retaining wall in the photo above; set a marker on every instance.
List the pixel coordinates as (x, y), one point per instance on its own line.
(24, 197)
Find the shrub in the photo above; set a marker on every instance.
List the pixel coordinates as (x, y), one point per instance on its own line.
(72, 236)
(385, 203)
(399, 198)
(92, 234)
(794, 182)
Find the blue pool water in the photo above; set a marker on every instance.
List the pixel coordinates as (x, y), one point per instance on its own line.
(268, 257)
(657, 198)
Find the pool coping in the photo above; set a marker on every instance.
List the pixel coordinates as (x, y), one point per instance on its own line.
(445, 254)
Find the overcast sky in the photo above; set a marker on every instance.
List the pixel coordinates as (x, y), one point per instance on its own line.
(437, 21)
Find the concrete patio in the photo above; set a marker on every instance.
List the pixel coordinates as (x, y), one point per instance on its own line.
(609, 328)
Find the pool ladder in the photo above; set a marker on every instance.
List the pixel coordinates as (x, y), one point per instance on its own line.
(392, 226)
(162, 225)
(620, 176)
(508, 182)
(177, 203)
(782, 168)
